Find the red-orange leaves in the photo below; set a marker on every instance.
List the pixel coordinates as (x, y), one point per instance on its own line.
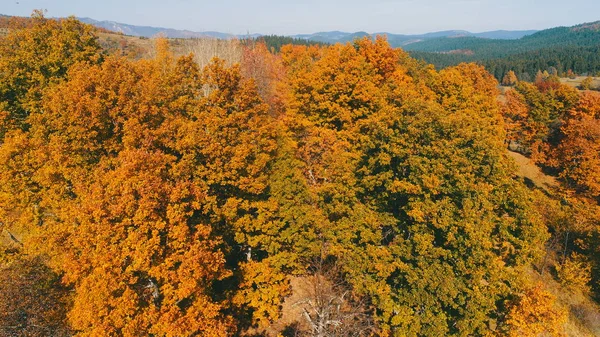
(147, 258)
(534, 313)
(133, 165)
(578, 154)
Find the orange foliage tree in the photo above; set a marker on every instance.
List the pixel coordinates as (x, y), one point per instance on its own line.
(142, 172)
(535, 312)
(177, 200)
(534, 113)
(577, 156)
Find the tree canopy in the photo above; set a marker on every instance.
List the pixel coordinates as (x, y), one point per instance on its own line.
(156, 198)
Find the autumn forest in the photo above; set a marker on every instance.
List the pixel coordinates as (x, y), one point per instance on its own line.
(313, 190)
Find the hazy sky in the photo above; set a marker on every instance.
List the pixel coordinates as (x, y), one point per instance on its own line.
(293, 17)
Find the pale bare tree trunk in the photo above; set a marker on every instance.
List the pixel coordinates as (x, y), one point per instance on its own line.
(330, 309)
(205, 49)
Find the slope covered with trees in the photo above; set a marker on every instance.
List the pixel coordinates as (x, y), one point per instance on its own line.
(157, 197)
(563, 48)
(580, 36)
(275, 42)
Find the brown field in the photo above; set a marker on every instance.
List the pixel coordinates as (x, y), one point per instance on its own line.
(528, 170)
(575, 82)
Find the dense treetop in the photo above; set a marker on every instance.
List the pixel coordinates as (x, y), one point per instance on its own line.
(153, 197)
(563, 48)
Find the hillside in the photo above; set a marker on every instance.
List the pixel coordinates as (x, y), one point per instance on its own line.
(147, 31)
(396, 40)
(525, 52)
(563, 48)
(579, 36)
(400, 40)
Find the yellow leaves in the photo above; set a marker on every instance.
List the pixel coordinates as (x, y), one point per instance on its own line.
(510, 78)
(575, 273)
(535, 312)
(431, 183)
(587, 83)
(340, 87)
(163, 53)
(125, 211)
(416, 214)
(404, 187)
(34, 58)
(419, 158)
(262, 290)
(466, 84)
(176, 201)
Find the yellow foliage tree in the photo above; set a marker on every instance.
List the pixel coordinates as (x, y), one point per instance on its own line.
(509, 79)
(33, 58)
(575, 273)
(535, 312)
(398, 164)
(176, 200)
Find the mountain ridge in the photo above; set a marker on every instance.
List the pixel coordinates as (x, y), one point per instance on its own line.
(325, 37)
(586, 34)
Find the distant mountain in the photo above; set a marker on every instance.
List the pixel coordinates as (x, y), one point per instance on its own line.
(396, 40)
(400, 40)
(147, 31)
(505, 34)
(485, 48)
(561, 49)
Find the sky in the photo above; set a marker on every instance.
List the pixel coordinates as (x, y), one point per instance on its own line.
(286, 17)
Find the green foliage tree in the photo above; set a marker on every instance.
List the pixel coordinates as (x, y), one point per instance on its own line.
(557, 50)
(422, 205)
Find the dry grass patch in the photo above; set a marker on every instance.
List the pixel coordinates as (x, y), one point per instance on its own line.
(528, 170)
(576, 82)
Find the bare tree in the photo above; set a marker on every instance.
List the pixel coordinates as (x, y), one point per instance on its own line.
(330, 308)
(205, 49)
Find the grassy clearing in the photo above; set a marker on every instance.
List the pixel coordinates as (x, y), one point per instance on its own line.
(576, 82)
(530, 171)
